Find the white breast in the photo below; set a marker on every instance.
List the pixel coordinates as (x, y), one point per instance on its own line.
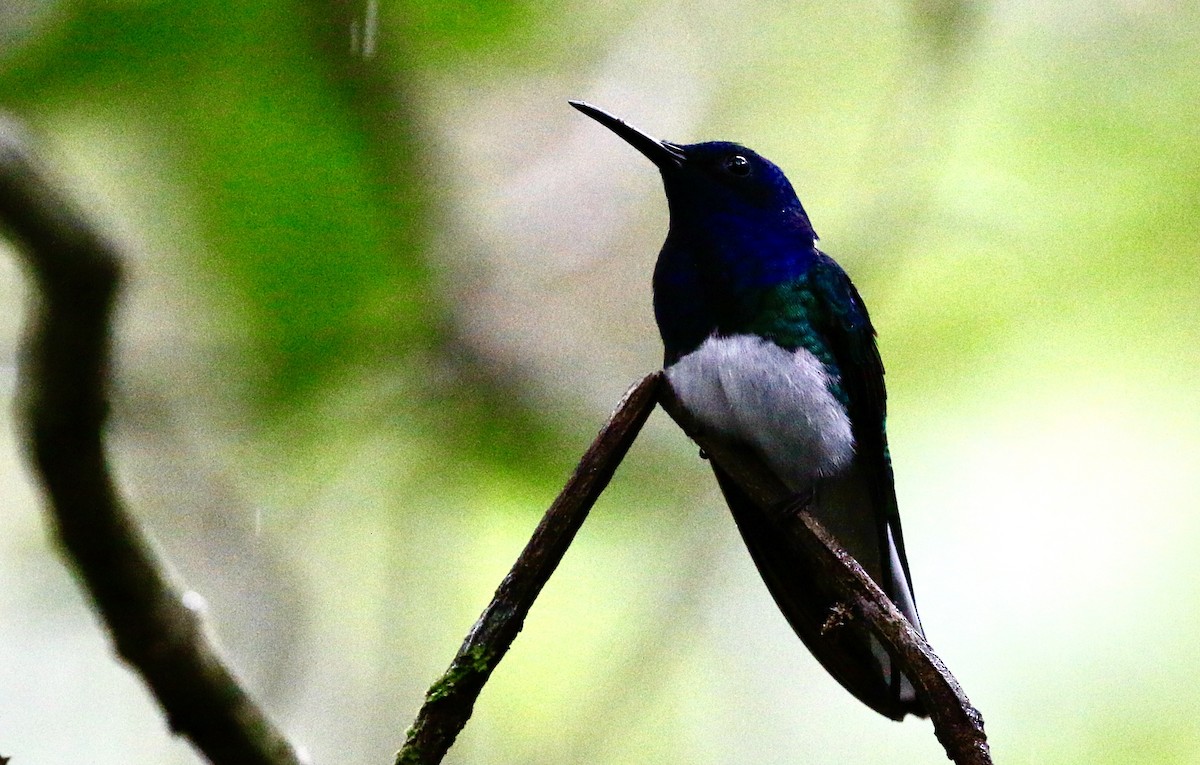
(751, 390)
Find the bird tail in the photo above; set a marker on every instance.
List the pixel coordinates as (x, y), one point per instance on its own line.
(858, 662)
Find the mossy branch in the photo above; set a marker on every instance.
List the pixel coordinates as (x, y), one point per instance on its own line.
(449, 701)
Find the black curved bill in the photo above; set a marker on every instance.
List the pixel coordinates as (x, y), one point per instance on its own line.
(661, 153)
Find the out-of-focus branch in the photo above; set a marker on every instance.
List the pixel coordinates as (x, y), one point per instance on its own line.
(449, 701)
(957, 724)
(64, 402)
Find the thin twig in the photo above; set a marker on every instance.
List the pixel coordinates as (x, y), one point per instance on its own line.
(64, 403)
(957, 724)
(449, 701)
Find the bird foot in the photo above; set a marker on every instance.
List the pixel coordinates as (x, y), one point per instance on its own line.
(839, 615)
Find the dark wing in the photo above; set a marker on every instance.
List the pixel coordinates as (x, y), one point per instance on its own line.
(807, 605)
(823, 312)
(848, 332)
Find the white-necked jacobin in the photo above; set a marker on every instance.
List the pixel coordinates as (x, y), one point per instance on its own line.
(769, 346)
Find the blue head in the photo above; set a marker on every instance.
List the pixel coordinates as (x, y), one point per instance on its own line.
(718, 187)
(737, 230)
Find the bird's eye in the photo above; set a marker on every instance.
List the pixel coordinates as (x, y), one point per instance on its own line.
(737, 165)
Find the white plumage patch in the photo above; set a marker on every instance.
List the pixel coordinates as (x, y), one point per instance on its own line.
(749, 389)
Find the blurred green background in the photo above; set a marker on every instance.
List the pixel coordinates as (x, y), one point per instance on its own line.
(384, 285)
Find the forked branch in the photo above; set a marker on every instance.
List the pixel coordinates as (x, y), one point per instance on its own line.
(448, 704)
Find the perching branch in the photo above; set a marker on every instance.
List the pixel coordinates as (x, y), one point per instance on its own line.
(449, 701)
(957, 724)
(63, 406)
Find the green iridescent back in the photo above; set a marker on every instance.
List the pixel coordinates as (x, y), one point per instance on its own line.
(796, 314)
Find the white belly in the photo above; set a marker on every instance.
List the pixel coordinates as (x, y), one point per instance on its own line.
(751, 390)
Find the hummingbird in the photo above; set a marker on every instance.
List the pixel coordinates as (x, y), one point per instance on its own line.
(768, 345)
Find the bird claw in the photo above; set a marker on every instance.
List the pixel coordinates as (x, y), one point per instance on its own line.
(839, 615)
